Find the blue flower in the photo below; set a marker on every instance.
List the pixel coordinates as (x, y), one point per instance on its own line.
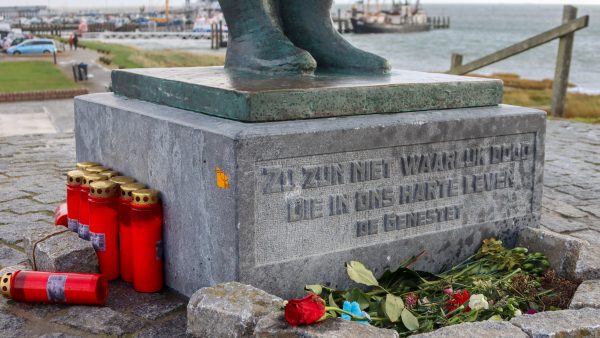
(354, 308)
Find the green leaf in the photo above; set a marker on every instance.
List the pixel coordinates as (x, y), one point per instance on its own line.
(409, 320)
(314, 288)
(360, 274)
(393, 307)
(356, 295)
(332, 302)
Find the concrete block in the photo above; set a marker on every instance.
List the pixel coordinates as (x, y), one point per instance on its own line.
(587, 295)
(229, 310)
(64, 252)
(563, 324)
(485, 329)
(283, 204)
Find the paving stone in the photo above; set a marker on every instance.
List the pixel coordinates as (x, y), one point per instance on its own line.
(593, 209)
(123, 298)
(11, 325)
(563, 208)
(485, 329)
(54, 197)
(10, 256)
(22, 266)
(172, 328)
(25, 206)
(100, 320)
(155, 310)
(275, 326)
(57, 335)
(228, 310)
(13, 233)
(592, 236)
(587, 295)
(64, 252)
(11, 194)
(582, 194)
(560, 224)
(9, 217)
(563, 324)
(562, 251)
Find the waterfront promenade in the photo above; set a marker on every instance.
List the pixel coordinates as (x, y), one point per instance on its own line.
(32, 176)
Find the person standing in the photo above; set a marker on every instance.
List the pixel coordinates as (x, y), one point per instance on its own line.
(71, 38)
(75, 41)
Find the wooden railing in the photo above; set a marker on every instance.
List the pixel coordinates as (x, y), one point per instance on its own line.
(564, 32)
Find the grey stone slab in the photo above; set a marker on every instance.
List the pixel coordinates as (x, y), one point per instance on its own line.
(99, 320)
(587, 295)
(592, 236)
(563, 208)
(588, 263)
(123, 298)
(560, 224)
(11, 326)
(229, 310)
(25, 206)
(155, 310)
(593, 209)
(563, 324)
(275, 326)
(13, 233)
(485, 329)
(171, 328)
(254, 97)
(562, 251)
(59, 251)
(254, 228)
(10, 256)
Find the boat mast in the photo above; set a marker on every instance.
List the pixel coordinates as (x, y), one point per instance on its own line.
(416, 9)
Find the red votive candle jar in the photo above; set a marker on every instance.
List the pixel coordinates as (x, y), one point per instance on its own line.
(146, 228)
(104, 226)
(84, 206)
(125, 239)
(74, 180)
(54, 287)
(84, 165)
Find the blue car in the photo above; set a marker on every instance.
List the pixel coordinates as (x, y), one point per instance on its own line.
(34, 46)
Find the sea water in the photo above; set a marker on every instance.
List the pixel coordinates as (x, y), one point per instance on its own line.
(476, 31)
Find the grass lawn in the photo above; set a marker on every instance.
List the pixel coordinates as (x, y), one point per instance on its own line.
(538, 94)
(130, 57)
(25, 76)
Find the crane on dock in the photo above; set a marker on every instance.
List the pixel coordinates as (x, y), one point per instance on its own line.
(166, 18)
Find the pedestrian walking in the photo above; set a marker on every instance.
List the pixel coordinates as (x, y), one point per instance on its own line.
(75, 41)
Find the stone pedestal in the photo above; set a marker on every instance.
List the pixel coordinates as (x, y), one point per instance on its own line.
(282, 204)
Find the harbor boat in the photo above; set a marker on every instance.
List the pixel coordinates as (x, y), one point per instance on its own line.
(402, 18)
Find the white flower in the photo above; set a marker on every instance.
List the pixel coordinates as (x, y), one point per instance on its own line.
(478, 302)
(517, 313)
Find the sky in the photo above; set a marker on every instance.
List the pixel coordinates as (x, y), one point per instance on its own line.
(116, 3)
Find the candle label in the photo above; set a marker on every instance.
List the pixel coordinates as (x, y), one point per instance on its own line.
(98, 241)
(55, 288)
(73, 225)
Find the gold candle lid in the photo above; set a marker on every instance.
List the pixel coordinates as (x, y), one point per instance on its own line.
(5, 284)
(121, 180)
(96, 170)
(75, 177)
(103, 189)
(109, 174)
(128, 189)
(145, 197)
(89, 178)
(84, 165)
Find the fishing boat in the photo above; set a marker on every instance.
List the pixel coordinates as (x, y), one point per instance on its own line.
(402, 18)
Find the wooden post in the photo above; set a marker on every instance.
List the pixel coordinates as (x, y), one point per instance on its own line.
(563, 65)
(456, 61)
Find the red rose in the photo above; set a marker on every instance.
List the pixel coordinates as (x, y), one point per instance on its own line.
(458, 298)
(305, 311)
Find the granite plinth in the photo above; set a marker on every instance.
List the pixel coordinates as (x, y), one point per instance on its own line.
(282, 204)
(254, 97)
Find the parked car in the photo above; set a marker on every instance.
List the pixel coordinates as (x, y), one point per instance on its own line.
(34, 46)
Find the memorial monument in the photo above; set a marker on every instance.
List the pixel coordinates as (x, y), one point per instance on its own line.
(304, 153)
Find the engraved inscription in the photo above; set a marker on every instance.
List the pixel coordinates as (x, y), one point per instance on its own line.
(314, 204)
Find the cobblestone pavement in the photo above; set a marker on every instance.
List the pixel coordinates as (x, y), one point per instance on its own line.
(32, 183)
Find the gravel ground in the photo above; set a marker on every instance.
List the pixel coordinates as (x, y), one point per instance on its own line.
(32, 170)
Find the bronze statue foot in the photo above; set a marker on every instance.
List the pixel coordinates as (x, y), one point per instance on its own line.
(307, 23)
(257, 42)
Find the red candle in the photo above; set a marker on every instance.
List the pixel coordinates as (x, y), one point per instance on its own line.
(74, 180)
(54, 287)
(84, 207)
(146, 226)
(104, 226)
(125, 239)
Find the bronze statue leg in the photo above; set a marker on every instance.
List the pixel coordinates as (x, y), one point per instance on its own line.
(257, 42)
(307, 23)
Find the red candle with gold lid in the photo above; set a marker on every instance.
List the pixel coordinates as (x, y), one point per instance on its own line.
(146, 226)
(74, 181)
(54, 287)
(104, 226)
(84, 206)
(125, 237)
